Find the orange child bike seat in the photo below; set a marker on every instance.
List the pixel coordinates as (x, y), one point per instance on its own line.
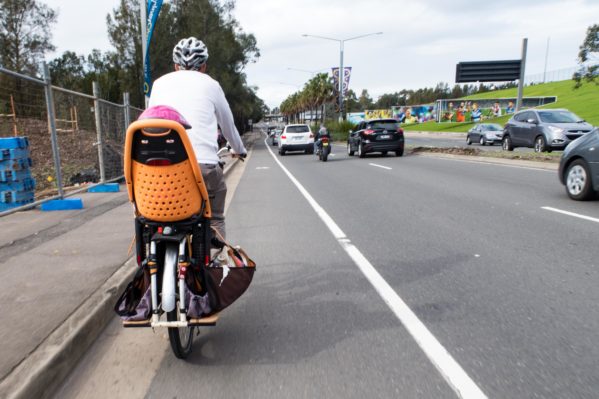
(164, 180)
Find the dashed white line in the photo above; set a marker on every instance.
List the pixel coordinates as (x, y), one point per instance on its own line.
(449, 369)
(576, 215)
(380, 166)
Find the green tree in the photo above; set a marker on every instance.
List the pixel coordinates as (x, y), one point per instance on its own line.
(25, 33)
(588, 57)
(365, 100)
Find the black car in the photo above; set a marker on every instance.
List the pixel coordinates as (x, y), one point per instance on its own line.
(377, 135)
(579, 167)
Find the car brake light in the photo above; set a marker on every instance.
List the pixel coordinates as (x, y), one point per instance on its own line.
(369, 131)
(159, 162)
(324, 139)
(311, 136)
(283, 137)
(399, 130)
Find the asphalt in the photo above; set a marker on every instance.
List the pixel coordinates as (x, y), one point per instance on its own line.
(506, 287)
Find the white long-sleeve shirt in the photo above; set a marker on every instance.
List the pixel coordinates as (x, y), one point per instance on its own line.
(202, 102)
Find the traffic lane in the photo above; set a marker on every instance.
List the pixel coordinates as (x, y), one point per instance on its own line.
(492, 273)
(309, 326)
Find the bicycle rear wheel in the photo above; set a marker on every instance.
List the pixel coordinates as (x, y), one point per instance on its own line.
(181, 338)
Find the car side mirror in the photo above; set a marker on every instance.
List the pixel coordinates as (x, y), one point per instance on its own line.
(533, 121)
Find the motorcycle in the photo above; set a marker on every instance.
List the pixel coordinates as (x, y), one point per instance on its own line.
(323, 148)
(174, 240)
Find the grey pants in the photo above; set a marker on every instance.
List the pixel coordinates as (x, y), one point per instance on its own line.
(217, 191)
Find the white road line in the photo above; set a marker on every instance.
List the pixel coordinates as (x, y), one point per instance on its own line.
(576, 215)
(380, 166)
(450, 370)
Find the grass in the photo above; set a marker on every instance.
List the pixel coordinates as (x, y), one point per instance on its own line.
(584, 102)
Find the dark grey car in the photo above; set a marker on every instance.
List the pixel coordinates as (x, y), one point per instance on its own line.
(485, 133)
(579, 167)
(543, 130)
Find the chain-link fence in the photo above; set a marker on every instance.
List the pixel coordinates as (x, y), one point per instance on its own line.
(550, 76)
(74, 139)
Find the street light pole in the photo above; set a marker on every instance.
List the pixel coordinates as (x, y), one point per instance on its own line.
(341, 78)
(341, 74)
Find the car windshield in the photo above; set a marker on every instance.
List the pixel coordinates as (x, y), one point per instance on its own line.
(298, 129)
(492, 127)
(558, 117)
(387, 125)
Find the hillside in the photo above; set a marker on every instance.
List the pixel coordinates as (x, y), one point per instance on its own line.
(584, 102)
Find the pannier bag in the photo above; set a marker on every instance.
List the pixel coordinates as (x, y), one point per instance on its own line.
(228, 275)
(135, 302)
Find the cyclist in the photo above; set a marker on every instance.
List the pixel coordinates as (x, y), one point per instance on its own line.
(201, 101)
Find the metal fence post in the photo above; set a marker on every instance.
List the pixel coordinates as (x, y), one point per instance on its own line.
(100, 144)
(52, 129)
(126, 109)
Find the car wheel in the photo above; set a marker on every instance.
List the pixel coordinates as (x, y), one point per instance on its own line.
(468, 140)
(361, 152)
(399, 153)
(506, 144)
(481, 141)
(384, 153)
(350, 152)
(281, 151)
(578, 181)
(540, 144)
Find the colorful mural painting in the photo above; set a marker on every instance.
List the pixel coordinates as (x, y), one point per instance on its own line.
(377, 114)
(413, 113)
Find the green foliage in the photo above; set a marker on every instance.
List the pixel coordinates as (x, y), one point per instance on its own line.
(316, 93)
(340, 130)
(25, 33)
(589, 51)
(121, 71)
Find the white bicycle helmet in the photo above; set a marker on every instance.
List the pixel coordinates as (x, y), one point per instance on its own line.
(190, 53)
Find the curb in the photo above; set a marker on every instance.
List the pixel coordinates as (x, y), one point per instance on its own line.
(491, 160)
(44, 370)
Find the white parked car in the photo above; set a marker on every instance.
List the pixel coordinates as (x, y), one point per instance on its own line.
(296, 138)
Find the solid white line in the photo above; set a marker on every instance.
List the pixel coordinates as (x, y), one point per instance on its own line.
(451, 371)
(576, 215)
(380, 166)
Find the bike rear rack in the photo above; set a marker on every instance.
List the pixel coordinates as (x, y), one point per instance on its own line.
(203, 322)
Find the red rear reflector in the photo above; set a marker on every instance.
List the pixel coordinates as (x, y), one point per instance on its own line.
(159, 162)
(207, 260)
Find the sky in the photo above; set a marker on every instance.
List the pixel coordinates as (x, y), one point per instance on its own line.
(421, 44)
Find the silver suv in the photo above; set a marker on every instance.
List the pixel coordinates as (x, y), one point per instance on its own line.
(543, 130)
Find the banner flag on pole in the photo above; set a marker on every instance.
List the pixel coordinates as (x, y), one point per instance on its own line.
(346, 76)
(153, 11)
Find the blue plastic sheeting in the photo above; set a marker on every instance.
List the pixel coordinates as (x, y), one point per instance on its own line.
(14, 142)
(104, 188)
(66, 204)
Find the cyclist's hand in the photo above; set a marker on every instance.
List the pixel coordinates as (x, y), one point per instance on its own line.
(241, 157)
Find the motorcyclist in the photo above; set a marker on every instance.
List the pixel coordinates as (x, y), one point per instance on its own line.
(201, 101)
(322, 132)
